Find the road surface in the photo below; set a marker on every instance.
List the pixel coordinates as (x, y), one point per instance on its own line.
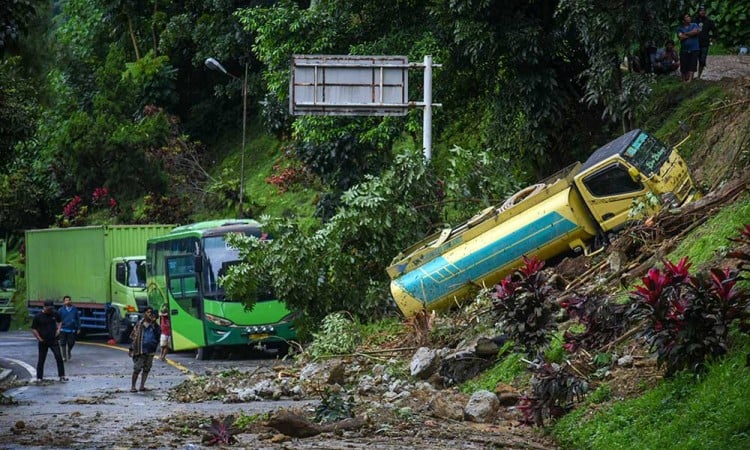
(95, 406)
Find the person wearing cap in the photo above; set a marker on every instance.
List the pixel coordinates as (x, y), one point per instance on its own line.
(46, 328)
(165, 340)
(708, 32)
(71, 326)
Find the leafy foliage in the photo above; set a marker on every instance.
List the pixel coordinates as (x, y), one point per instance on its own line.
(731, 19)
(338, 334)
(221, 432)
(688, 316)
(341, 266)
(522, 304)
(333, 407)
(554, 390)
(603, 320)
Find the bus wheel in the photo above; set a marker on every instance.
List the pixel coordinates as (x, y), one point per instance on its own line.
(5, 322)
(203, 353)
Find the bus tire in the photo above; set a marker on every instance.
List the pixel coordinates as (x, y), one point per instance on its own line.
(202, 353)
(5, 322)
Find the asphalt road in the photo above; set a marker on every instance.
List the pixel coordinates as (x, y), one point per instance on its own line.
(98, 392)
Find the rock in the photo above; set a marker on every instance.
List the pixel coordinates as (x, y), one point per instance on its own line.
(337, 374)
(463, 365)
(482, 407)
(444, 408)
(214, 386)
(424, 363)
(625, 361)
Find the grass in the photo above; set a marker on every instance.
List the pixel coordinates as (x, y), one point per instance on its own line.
(508, 370)
(685, 412)
(710, 241)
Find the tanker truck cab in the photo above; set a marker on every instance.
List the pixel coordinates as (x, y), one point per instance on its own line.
(129, 297)
(627, 170)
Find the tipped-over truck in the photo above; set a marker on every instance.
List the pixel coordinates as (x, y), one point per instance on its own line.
(574, 210)
(102, 268)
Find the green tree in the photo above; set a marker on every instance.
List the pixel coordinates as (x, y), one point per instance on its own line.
(342, 265)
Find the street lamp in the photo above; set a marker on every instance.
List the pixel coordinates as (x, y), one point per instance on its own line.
(213, 64)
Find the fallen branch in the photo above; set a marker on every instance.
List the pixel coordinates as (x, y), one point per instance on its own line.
(295, 425)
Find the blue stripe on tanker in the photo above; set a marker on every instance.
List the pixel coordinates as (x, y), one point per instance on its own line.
(439, 277)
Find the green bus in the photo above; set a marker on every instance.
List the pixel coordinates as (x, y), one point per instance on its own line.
(183, 271)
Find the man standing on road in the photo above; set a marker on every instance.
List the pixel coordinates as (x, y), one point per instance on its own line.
(144, 339)
(708, 32)
(46, 328)
(71, 326)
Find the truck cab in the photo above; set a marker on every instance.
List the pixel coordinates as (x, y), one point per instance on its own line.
(129, 297)
(628, 170)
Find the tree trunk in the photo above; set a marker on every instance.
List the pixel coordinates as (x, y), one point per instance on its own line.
(132, 38)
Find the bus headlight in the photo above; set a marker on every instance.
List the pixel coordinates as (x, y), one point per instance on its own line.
(220, 321)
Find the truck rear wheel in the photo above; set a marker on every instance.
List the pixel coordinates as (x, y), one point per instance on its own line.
(115, 328)
(5, 322)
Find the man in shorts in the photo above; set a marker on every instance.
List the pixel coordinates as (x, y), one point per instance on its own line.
(143, 342)
(688, 33)
(708, 31)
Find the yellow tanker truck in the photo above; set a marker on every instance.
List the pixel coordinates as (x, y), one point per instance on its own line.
(568, 211)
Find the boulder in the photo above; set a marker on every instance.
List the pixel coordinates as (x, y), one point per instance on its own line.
(482, 407)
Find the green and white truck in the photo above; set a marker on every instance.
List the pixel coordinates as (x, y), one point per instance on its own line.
(99, 267)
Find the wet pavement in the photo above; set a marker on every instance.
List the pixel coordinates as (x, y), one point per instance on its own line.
(95, 408)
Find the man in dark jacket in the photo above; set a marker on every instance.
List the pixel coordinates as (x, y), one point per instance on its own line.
(71, 326)
(144, 339)
(46, 327)
(708, 32)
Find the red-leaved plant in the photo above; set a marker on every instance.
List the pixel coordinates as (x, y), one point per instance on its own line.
(688, 316)
(221, 432)
(522, 305)
(604, 321)
(555, 389)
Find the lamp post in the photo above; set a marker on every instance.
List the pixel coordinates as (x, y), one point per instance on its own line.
(213, 64)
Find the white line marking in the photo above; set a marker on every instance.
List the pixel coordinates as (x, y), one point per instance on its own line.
(27, 367)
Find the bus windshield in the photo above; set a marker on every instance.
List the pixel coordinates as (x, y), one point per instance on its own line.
(219, 257)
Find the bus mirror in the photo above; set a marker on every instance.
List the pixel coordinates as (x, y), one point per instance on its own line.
(634, 174)
(198, 265)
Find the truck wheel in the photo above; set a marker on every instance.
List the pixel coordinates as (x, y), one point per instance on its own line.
(5, 322)
(202, 353)
(115, 328)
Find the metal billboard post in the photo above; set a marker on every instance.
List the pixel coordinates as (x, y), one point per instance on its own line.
(427, 119)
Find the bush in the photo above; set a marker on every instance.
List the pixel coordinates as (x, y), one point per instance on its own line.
(521, 303)
(688, 316)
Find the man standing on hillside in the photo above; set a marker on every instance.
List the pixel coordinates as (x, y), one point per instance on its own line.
(688, 33)
(708, 32)
(46, 328)
(71, 326)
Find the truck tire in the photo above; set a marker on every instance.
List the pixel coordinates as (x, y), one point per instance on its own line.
(5, 322)
(202, 353)
(115, 328)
